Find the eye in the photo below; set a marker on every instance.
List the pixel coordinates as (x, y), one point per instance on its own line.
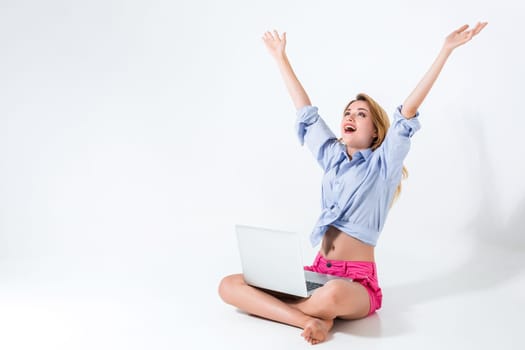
(347, 114)
(361, 114)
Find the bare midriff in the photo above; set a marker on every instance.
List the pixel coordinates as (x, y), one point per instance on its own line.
(338, 245)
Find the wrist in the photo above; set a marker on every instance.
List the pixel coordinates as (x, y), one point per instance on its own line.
(446, 50)
(280, 57)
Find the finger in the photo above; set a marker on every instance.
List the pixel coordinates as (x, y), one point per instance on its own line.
(284, 36)
(461, 29)
(479, 27)
(476, 29)
(276, 34)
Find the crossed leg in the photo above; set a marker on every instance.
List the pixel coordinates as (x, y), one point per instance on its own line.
(315, 315)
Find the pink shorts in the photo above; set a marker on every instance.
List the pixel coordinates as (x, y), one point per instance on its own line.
(362, 272)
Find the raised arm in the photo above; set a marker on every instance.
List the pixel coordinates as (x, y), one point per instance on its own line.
(276, 45)
(453, 40)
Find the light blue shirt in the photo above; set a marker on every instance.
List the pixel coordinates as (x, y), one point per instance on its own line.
(356, 193)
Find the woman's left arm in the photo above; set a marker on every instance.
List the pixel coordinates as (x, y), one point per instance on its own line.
(453, 40)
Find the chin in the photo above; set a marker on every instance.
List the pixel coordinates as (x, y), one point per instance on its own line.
(346, 140)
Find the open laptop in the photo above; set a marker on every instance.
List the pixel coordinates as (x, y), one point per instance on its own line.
(272, 260)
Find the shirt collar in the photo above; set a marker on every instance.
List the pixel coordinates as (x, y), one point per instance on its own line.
(365, 154)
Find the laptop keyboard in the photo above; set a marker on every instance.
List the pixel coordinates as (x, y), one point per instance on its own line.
(312, 285)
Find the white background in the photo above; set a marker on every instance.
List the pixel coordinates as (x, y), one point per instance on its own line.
(135, 134)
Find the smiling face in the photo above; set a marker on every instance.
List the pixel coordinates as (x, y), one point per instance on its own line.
(357, 128)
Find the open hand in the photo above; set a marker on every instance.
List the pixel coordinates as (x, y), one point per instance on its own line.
(275, 44)
(461, 35)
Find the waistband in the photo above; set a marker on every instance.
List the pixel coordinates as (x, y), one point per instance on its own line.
(367, 268)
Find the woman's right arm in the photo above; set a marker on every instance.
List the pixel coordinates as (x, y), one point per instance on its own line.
(311, 129)
(276, 45)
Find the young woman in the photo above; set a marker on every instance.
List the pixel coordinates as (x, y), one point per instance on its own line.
(362, 174)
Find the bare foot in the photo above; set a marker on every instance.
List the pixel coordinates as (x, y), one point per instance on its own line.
(316, 330)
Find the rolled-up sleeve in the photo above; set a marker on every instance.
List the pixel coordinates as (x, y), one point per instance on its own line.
(313, 131)
(404, 127)
(396, 145)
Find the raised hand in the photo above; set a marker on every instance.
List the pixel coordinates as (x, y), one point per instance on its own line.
(275, 44)
(458, 37)
(462, 35)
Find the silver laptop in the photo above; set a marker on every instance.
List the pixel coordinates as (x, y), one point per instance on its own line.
(272, 260)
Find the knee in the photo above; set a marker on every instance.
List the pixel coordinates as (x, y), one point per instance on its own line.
(340, 298)
(331, 294)
(227, 287)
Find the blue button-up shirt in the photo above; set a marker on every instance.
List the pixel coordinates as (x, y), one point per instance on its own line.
(356, 192)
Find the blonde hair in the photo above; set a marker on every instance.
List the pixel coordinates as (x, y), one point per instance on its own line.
(381, 123)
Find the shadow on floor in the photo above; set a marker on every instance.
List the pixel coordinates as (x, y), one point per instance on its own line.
(497, 255)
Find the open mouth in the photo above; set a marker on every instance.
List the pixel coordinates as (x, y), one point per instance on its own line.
(349, 129)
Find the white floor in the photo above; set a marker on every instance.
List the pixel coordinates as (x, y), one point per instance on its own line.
(134, 302)
(135, 134)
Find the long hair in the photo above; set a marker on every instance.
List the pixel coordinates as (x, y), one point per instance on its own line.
(381, 123)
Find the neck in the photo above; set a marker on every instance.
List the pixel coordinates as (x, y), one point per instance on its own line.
(351, 151)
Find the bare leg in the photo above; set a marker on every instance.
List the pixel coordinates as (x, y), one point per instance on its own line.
(338, 298)
(234, 290)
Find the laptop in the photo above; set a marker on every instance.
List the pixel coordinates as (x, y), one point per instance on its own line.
(272, 260)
